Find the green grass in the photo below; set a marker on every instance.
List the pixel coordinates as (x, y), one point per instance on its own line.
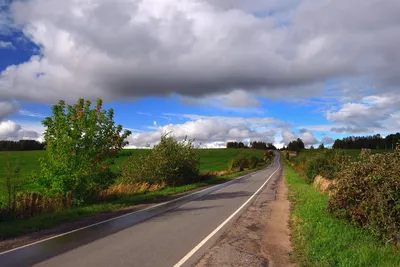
(210, 159)
(14, 228)
(320, 239)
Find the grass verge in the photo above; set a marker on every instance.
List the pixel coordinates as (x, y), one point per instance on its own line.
(15, 228)
(320, 239)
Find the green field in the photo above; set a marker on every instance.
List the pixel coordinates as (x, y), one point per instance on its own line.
(210, 160)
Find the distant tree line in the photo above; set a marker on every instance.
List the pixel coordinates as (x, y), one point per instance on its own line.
(262, 145)
(296, 145)
(236, 145)
(21, 145)
(372, 142)
(254, 145)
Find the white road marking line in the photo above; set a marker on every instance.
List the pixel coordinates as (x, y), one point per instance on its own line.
(196, 248)
(124, 215)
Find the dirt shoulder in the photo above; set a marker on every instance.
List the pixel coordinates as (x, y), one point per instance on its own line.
(260, 237)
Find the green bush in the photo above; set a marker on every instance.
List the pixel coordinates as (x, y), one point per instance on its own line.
(268, 155)
(315, 166)
(170, 162)
(252, 162)
(239, 163)
(368, 194)
(327, 164)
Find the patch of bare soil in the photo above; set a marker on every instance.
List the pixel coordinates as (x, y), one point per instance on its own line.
(260, 237)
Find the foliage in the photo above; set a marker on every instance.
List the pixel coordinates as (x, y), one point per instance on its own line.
(320, 239)
(296, 145)
(235, 145)
(368, 194)
(81, 144)
(170, 162)
(321, 146)
(13, 186)
(327, 162)
(21, 145)
(252, 162)
(371, 142)
(262, 145)
(268, 155)
(239, 163)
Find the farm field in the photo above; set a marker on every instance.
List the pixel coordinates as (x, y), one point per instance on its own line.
(210, 160)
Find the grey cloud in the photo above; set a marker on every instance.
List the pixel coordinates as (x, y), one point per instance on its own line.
(327, 140)
(7, 108)
(129, 49)
(350, 129)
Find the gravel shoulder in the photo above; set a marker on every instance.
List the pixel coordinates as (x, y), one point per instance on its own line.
(260, 237)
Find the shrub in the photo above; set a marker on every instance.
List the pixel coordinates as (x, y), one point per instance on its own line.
(14, 185)
(170, 162)
(81, 143)
(368, 194)
(268, 155)
(239, 163)
(327, 164)
(252, 162)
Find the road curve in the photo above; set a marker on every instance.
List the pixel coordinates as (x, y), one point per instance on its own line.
(178, 236)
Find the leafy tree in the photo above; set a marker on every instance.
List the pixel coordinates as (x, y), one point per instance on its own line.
(321, 146)
(241, 145)
(312, 147)
(13, 183)
(81, 143)
(296, 145)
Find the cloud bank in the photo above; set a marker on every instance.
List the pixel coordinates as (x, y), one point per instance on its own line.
(136, 48)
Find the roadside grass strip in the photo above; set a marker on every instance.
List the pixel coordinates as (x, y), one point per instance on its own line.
(320, 239)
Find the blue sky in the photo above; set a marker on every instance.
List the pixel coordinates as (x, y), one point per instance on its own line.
(213, 70)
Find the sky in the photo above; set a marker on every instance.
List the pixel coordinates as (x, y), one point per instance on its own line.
(211, 70)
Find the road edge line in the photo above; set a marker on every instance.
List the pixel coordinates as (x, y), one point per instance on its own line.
(216, 230)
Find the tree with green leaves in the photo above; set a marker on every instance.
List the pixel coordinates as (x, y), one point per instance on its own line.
(321, 146)
(81, 143)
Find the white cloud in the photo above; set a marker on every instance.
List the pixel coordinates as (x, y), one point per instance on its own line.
(373, 113)
(6, 45)
(10, 130)
(306, 136)
(211, 131)
(28, 113)
(134, 48)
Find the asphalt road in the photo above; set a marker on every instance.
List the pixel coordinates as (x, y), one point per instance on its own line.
(163, 240)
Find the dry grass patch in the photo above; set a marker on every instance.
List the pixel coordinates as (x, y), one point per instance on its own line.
(324, 185)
